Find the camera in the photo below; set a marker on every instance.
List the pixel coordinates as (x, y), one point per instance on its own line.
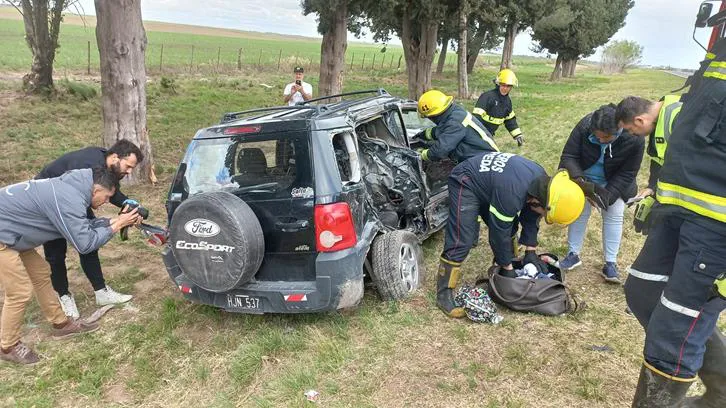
(298, 82)
(143, 212)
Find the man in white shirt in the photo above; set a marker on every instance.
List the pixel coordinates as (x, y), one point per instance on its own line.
(298, 91)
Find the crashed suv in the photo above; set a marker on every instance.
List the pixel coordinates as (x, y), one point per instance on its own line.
(288, 209)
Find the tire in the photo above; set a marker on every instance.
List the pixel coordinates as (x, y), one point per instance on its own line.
(217, 241)
(398, 267)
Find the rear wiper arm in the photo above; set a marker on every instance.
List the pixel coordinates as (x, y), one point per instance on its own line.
(258, 188)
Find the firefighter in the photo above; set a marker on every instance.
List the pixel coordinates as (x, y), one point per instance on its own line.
(642, 117)
(494, 107)
(676, 285)
(457, 135)
(505, 190)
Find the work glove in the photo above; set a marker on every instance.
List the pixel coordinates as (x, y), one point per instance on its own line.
(598, 196)
(423, 152)
(641, 220)
(519, 139)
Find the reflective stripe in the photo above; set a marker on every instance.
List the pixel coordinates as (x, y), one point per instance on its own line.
(664, 125)
(489, 119)
(678, 308)
(716, 69)
(701, 203)
(470, 123)
(662, 374)
(647, 276)
(516, 132)
(499, 215)
(510, 116)
(658, 160)
(479, 111)
(444, 260)
(425, 154)
(710, 55)
(429, 133)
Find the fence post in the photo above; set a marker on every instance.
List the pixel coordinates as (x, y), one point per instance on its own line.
(191, 61)
(364, 62)
(259, 60)
(391, 65)
(399, 61)
(161, 60)
(373, 64)
(352, 58)
(383, 61)
(279, 58)
(239, 59)
(219, 52)
(89, 57)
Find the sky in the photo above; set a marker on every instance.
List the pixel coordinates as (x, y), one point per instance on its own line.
(663, 27)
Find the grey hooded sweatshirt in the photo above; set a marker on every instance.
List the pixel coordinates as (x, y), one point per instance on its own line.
(36, 211)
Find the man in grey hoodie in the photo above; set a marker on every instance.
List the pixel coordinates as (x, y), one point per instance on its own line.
(37, 211)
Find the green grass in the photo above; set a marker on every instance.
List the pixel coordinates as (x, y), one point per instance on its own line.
(166, 351)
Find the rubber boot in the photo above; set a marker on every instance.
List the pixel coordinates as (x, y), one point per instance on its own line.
(713, 374)
(657, 390)
(448, 277)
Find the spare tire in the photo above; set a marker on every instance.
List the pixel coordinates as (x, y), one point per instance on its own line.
(216, 240)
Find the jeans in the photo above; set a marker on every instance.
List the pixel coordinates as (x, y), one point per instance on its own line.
(21, 275)
(612, 230)
(55, 254)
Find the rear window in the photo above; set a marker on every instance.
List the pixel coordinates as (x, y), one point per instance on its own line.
(277, 164)
(416, 123)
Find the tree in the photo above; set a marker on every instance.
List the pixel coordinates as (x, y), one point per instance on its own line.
(485, 29)
(335, 19)
(518, 16)
(620, 55)
(42, 20)
(121, 44)
(576, 28)
(462, 52)
(416, 22)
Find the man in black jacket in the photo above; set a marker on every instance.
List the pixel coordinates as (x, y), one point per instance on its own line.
(598, 154)
(458, 135)
(494, 107)
(121, 158)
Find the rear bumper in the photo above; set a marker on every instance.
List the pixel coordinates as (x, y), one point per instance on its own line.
(339, 284)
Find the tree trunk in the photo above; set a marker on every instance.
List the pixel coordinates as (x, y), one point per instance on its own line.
(557, 73)
(332, 52)
(474, 46)
(419, 48)
(565, 67)
(508, 48)
(463, 51)
(121, 44)
(573, 66)
(442, 55)
(41, 34)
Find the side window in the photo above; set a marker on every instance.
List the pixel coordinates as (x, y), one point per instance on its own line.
(394, 123)
(346, 156)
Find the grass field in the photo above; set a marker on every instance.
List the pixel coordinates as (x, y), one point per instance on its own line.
(163, 351)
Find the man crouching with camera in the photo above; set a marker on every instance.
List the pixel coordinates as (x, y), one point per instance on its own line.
(120, 159)
(37, 211)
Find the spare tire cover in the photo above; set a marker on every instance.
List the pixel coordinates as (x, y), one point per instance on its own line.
(217, 240)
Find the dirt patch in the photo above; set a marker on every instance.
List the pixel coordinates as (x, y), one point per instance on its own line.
(117, 393)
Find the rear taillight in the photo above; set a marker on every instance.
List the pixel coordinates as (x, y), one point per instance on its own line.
(334, 229)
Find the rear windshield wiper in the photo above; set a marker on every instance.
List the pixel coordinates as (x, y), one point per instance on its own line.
(257, 188)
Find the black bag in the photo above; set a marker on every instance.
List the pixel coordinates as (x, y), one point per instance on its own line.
(545, 296)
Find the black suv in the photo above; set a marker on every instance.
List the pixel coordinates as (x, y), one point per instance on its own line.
(286, 209)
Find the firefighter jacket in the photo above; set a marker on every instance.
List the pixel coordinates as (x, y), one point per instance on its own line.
(621, 160)
(658, 139)
(693, 175)
(457, 135)
(502, 181)
(495, 109)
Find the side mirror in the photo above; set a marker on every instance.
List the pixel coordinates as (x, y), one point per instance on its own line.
(704, 12)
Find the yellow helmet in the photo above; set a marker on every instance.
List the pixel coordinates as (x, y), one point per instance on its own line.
(433, 103)
(565, 200)
(507, 77)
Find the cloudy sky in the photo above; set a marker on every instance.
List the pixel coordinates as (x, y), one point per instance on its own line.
(662, 27)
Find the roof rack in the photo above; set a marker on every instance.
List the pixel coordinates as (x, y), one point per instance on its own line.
(230, 116)
(379, 92)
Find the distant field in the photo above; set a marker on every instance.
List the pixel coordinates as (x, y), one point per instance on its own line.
(192, 49)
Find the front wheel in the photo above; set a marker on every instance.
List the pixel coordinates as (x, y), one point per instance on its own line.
(398, 268)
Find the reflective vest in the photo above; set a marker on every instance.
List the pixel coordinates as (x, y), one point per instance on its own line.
(667, 115)
(693, 175)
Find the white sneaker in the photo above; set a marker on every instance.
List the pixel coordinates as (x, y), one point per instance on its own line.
(108, 296)
(68, 304)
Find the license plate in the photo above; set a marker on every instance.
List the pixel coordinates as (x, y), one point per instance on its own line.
(243, 302)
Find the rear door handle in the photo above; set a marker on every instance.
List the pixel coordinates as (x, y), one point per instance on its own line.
(292, 226)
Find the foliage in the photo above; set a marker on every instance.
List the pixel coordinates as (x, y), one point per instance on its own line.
(79, 89)
(620, 55)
